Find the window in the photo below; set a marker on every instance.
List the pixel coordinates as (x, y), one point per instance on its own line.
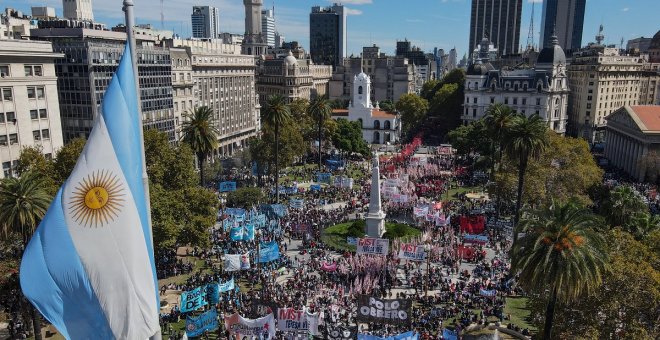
(11, 117)
(6, 169)
(45, 134)
(3, 140)
(32, 93)
(4, 70)
(474, 100)
(360, 90)
(43, 113)
(524, 101)
(33, 70)
(36, 134)
(7, 94)
(387, 125)
(2, 117)
(376, 122)
(34, 114)
(40, 92)
(506, 100)
(474, 112)
(13, 139)
(538, 101)
(28, 70)
(515, 101)
(492, 100)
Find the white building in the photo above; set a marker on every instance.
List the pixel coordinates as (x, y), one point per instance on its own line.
(15, 25)
(542, 90)
(29, 106)
(378, 127)
(78, 10)
(268, 26)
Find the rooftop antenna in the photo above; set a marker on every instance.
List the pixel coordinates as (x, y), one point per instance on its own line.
(162, 16)
(621, 46)
(530, 35)
(600, 37)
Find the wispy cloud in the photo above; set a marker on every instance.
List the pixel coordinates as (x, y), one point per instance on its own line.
(414, 20)
(351, 11)
(354, 2)
(625, 9)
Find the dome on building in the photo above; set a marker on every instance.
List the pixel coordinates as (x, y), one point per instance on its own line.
(290, 60)
(655, 42)
(362, 76)
(479, 69)
(553, 54)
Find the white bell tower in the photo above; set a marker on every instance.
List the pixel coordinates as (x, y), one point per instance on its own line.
(362, 91)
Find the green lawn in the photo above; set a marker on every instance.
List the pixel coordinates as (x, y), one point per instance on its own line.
(517, 307)
(335, 235)
(454, 191)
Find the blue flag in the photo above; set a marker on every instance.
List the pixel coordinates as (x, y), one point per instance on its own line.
(227, 286)
(193, 300)
(89, 267)
(268, 252)
(248, 232)
(448, 334)
(236, 233)
(411, 335)
(205, 322)
(227, 186)
(213, 293)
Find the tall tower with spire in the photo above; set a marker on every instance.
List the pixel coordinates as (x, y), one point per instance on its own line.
(376, 215)
(254, 42)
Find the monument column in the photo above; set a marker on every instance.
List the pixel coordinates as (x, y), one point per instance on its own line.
(376, 215)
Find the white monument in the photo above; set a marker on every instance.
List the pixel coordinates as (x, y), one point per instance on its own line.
(375, 216)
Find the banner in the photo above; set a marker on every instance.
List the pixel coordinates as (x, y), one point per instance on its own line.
(420, 211)
(411, 252)
(297, 203)
(226, 286)
(262, 328)
(391, 182)
(469, 238)
(411, 335)
(374, 246)
(315, 187)
(338, 332)
(329, 267)
(235, 262)
(448, 334)
(204, 323)
(489, 293)
(268, 252)
(212, 293)
(236, 233)
(323, 177)
(248, 232)
(390, 311)
(292, 320)
(263, 307)
(192, 300)
(227, 186)
(352, 240)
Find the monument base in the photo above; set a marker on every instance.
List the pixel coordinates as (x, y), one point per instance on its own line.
(375, 224)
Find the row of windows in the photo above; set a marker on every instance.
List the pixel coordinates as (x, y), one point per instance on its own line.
(40, 134)
(10, 139)
(29, 71)
(7, 117)
(9, 168)
(33, 92)
(506, 100)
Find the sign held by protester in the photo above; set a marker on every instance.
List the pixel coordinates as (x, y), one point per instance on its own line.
(227, 186)
(411, 252)
(373, 246)
(262, 328)
(192, 300)
(203, 323)
(292, 320)
(390, 311)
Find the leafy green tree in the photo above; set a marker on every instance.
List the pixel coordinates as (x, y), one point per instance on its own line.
(498, 119)
(429, 88)
(24, 201)
(387, 105)
(66, 159)
(319, 109)
(32, 159)
(245, 198)
(348, 138)
(526, 140)
(413, 110)
(199, 131)
(276, 114)
(622, 203)
(562, 253)
(212, 170)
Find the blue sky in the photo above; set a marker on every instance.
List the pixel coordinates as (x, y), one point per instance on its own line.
(427, 23)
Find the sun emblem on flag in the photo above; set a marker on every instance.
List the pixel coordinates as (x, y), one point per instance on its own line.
(97, 199)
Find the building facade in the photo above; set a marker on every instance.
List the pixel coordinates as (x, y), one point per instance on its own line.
(91, 57)
(378, 127)
(601, 81)
(542, 90)
(564, 19)
(29, 107)
(498, 20)
(390, 77)
(15, 25)
(632, 134)
(292, 78)
(268, 26)
(327, 34)
(183, 89)
(78, 10)
(640, 44)
(254, 42)
(224, 80)
(205, 22)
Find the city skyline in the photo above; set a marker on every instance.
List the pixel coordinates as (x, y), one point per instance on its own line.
(439, 23)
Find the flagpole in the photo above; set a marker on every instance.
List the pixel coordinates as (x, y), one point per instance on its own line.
(130, 41)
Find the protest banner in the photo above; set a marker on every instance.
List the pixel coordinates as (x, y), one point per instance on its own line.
(206, 322)
(293, 320)
(262, 328)
(411, 335)
(226, 286)
(448, 334)
(236, 233)
(315, 187)
(296, 203)
(489, 293)
(469, 238)
(329, 267)
(323, 177)
(389, 311)
(227, 186)
(411, 252)
(192, 300)
(263, 307)
(235, 262)
(269, 251)
(212, 293)
(338, 332)
(374, 246)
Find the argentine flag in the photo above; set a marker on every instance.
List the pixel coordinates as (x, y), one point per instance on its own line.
(89, 268)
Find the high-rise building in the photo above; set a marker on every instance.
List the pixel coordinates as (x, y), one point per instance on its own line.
(640, 44)
(254, 41)
(268, 26)
(497, 20)
(279, 40)
(29, 106)
(327, 34)
(91, 57)
(565, 20)
(205, 22)
(78, 10)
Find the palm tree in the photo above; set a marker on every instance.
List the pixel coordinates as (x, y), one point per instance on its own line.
(200, 132)
(23, 203)
(561, 253)
(623, 203)
(642, 224)
(276, 113)
(499, 119)
(526, 140)
(319, 109)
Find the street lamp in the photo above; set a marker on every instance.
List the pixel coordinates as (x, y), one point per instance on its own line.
(427, 248)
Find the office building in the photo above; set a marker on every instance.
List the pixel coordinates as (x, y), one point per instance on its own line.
(78, 10)
(542, 90)
(205, 22)
(231, 38)
(425, 68)
(224, 80)
(497, 20)
(29, 107)
(183, 89)
(43, 13)
(254, 41)
(378, 126)
(564, 19)
(292, 78)
(390, 77)
(327, 34)
(279, 40)
(632, 134)
(15, 25)
(91, 57)
(640, 44)
(268, 26)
